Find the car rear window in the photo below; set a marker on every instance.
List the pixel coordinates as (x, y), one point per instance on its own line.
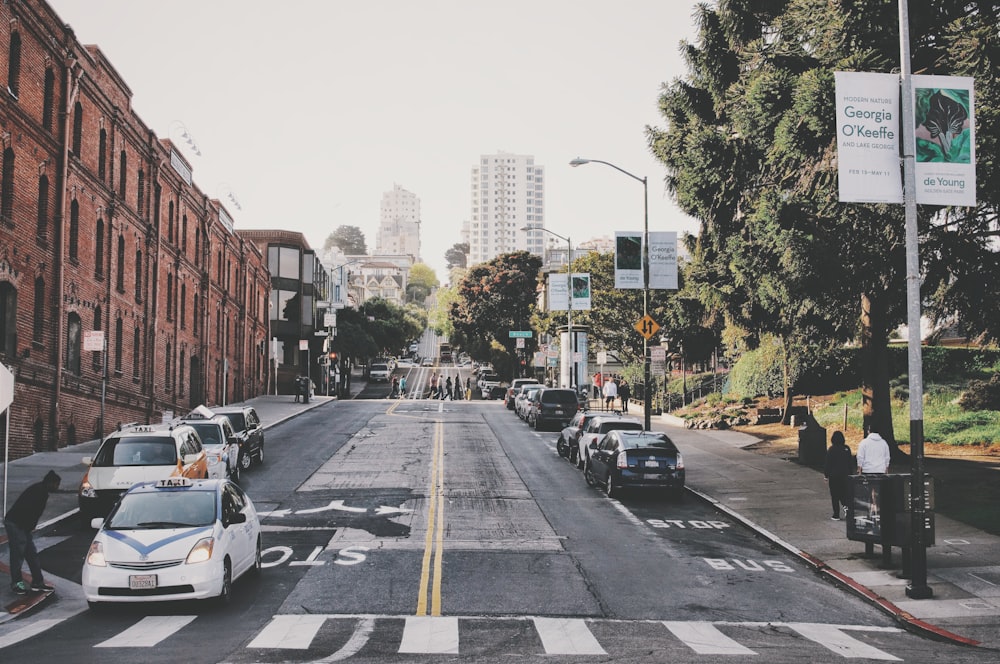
(632, 442)
(559, 396)
(619, 426)
(237, 420)
(380, 367)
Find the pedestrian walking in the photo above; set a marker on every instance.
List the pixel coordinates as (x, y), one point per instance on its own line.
(610, 393)
(434, 386)
(20, 520)
(402, 386)
(838, 466)
(873, 454)
(468, 388)
(598, 385)
(395, 387)
(624, 393)
(447, 389)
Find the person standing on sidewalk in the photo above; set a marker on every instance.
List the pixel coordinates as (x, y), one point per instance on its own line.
(610, 393)
(624, 393)
(873, 455)
(20, 520)
(839, 465)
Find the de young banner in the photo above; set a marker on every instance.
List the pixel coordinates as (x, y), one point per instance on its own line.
(558, 285)
(868, 137)
(662, 260)
(868, 131)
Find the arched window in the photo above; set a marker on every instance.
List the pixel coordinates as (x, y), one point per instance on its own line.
(170, 366)
(138, 275)
(49, 101)
(196, 316)
(77, 129)
(183, 299)
(135, 354)
(180, 382)
(170, 222)
(118, 346)
(102, 155)
(156, 204)
(122, 174)
(38, 319)
(120, 276)
(140, 196)
(43, 206)
(73, 339)
(99, 249)
(7, 188)
(184, 233)
(8, 318)
(14, 63)
(74, 230)
(170, 296)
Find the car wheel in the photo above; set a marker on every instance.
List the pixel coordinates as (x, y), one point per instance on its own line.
(538, 424)
(588, 474)
(562, 448)
(255, 570)
(613, 491)
(260, 454)
(226, 594)
(582, 462)
(572, 454)
(246, 461)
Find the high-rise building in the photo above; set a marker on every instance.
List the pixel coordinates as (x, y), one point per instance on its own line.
(508, 194)
(399, 224)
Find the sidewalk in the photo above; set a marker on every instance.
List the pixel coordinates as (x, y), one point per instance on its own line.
(68, 463)
(789, 504)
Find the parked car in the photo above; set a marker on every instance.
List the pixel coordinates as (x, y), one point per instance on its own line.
(379, 373)
(134, 454)
(427, 362)
(487, 381)
(636, 460)
(555, 407)
(596, 428)
(220, 441)
(569, 437)
(175, 539)
(512, 390)
(248, 429)
(523, 401)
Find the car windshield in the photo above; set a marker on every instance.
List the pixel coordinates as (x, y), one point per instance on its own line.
(167, 508)
(647, 440)
(238, 421)
(380, 367)
(211, 434)
(137, 451)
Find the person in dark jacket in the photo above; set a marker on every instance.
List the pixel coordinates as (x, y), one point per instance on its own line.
(20, 520)
(839, 465)
(624, 393)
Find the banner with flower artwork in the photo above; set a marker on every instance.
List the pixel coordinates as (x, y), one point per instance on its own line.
(945, 150)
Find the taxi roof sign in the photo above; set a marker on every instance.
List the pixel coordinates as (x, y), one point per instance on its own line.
(174, 483)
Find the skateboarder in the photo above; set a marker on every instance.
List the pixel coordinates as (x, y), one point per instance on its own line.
(19, 521)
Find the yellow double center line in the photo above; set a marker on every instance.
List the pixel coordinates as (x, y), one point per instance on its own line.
(434, 542)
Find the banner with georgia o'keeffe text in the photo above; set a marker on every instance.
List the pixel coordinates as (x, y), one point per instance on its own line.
(868, 137)
(945, 150)
(628, 259)
(663, 260)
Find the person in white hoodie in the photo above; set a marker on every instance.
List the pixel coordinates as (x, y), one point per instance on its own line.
(873, 454)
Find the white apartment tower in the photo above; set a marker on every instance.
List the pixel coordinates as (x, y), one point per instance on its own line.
(399, 224)
(508, 194)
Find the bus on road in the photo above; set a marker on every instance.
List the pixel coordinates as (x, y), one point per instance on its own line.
(444, 351)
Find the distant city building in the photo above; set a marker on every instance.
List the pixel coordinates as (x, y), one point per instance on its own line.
(379, 275)
(399, 224)
(508, 194)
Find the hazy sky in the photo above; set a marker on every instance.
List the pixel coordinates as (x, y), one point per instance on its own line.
(308, 110)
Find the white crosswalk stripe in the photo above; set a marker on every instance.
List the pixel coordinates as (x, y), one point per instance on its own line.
(832, 638)
(705, 638)
(565, 636)
(430, 635)
(147, 632)
(289, 631)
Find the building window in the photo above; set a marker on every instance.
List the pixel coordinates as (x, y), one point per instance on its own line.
(95, 357)
(74, 230)
(38, 320)
(138, 275)
(14, 64)
(170, 365)
(43, 206)
(196, 313)
(180, 382)
(77, 129)
(122, 174)
(118, 346)
(156, 204)
(170, 296)
(140, 195)
(102, 155)
(99, 249)
(135, 355)
(73, 339)
(7, 188)
(120, 275)
(184, 233)
(170, 222)
(183, 305)
(48, 103)
(8, 318)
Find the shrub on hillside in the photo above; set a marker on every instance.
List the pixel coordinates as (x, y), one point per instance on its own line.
(981, 394)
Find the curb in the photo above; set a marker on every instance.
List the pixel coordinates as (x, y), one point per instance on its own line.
(906, 619)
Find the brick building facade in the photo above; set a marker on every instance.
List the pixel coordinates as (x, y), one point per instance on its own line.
(102, 229)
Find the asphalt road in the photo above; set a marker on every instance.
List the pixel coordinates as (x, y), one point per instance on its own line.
(419, 530)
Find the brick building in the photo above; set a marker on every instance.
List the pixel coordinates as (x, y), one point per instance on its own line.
(104, 233)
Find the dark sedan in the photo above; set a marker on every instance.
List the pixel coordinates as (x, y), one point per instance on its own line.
(636, 460)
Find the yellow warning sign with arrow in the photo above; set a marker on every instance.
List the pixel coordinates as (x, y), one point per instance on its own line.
(646, 326)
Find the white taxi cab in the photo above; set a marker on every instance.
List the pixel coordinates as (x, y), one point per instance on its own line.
(138, 453)
(174, 539)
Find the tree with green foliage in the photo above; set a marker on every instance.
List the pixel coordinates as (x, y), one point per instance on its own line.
(348, 239)
(457, 255)
(422, 282)
(750, 151)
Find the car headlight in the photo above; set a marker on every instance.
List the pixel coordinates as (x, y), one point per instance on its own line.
(95, 556)
(201, 552)
(86, 490)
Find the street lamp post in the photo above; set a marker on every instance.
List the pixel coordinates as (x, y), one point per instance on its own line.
(569, 295)
(647, 391)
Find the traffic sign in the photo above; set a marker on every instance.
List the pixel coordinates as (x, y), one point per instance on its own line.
(646, 326)
(515, 334)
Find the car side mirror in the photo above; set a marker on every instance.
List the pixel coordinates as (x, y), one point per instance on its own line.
(88, 460)
(96, 523)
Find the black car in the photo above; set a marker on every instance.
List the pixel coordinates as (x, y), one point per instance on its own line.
(249, 431)
(555, 405)
(636, 460)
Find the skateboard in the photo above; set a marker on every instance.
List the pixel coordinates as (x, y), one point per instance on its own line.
(22, 604)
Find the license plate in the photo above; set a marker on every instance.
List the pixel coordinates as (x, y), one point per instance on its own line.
(558, 411)
(141, 581)
(652, 464)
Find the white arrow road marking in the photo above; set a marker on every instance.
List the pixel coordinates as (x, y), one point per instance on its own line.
(278, 513)
(382, 509)
(334, 505)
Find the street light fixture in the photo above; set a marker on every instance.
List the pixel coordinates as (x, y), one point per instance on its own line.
(569, 295)
(646, 391)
